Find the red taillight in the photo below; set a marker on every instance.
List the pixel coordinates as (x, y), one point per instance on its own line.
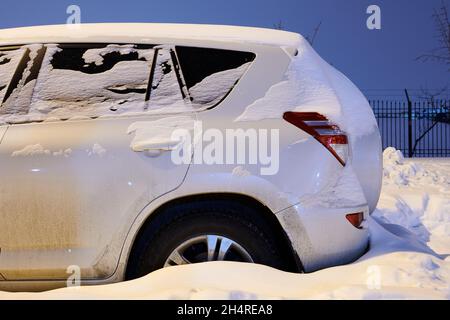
(324, 131)
(356, 219)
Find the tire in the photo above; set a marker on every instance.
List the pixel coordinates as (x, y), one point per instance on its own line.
(235, 220)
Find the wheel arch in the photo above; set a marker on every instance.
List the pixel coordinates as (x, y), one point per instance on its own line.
(295, 262)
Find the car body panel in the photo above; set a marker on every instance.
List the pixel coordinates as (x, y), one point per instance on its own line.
(62, 208)
(96, 230)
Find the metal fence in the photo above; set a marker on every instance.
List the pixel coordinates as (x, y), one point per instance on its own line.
(417, 128)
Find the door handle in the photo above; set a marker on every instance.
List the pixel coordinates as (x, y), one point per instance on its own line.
(159, 146)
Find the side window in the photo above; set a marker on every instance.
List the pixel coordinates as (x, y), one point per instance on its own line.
(165, 91)
(210, 74)
(9, 60)
(63, 81)
(18, 72)
(91, 81)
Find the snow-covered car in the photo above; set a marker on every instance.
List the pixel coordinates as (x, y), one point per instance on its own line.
(125, 148)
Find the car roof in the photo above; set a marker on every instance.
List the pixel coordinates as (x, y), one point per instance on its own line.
(148, 32)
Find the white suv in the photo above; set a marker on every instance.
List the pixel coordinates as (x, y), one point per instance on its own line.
(125, 148)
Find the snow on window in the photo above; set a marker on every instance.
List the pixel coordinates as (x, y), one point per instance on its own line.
(91, 82)
(213, 88)
(165, 90)
(97, 56)
(210, 74)
(72, 81)
(9, 60)
(17, 99)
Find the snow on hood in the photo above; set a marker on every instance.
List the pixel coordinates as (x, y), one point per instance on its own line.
(311, 84)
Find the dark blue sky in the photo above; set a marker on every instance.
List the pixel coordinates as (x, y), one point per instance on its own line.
(379, 59)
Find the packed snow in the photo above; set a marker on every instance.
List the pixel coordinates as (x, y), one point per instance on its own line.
(408, 258)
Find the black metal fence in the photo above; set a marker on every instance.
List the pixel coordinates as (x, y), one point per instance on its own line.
(417, 128)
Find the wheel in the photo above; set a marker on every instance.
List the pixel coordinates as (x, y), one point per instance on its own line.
(208, 230)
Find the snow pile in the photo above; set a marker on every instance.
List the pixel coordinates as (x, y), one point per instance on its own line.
(403, 173)
(408, 259)
(416, 195)
(312, 85)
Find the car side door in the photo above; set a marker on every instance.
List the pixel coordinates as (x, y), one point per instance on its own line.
(82, 155)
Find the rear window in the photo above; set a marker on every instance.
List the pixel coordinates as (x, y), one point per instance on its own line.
(210, 74)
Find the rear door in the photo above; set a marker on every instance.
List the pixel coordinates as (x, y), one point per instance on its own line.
(80, 158)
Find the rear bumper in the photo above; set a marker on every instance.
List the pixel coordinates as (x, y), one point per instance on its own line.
(323, 237)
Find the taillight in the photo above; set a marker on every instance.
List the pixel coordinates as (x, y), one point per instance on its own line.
(356, 219)
(323, 130)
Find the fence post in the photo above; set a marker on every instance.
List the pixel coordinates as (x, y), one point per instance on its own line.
(410, 153)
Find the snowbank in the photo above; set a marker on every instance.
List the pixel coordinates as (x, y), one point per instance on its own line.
(416, 195)
(408, 259)
(399, 172)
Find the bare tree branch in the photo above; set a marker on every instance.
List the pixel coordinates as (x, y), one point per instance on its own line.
(278, 25)
(312, 37)
(441, 53)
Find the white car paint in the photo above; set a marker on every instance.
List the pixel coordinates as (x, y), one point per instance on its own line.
(73, 208)
(87, 207)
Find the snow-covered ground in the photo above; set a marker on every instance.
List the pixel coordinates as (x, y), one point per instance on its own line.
(409, 255)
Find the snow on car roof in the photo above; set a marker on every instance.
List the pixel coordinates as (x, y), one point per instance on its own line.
(146, 32)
